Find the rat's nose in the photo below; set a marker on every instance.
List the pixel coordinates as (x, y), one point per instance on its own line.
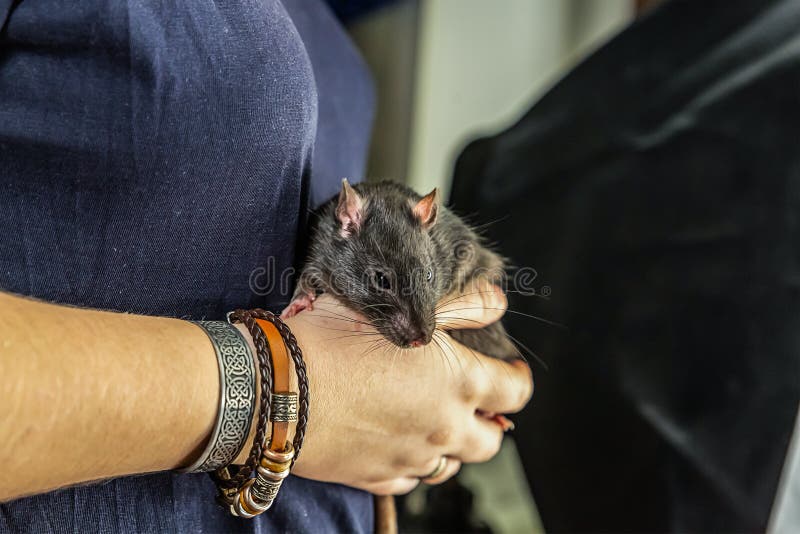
(418, 337)
(408, 334)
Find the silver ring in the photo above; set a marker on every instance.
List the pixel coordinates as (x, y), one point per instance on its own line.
(248, 498)
(237, 399)
(438, 470)
(279, 456)
(269, 474)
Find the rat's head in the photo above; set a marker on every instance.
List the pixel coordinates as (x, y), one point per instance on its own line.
(386, 260)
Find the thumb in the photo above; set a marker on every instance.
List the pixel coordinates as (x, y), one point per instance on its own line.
(481, 303)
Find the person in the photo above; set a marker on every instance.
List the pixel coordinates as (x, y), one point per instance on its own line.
(155, 159)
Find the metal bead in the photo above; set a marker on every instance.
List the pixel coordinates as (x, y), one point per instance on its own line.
(257, 494)
(266, 490)
(252, 504)
(239, 511)
(275, 467)
(283, 407)
(268, 474)
(245, 505)
(280, 457)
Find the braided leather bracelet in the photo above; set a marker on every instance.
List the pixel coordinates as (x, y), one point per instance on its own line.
(242, 495)
(300, 369)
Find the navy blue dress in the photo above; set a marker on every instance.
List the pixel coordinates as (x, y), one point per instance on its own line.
(154, 157)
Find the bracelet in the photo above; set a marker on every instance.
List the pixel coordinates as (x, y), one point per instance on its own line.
(229, 482)
(263, 349)
(236, 400)
(278, 455)
(247, 497)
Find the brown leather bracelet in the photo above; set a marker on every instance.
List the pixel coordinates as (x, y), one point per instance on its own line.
(300, 370)
(281, 383)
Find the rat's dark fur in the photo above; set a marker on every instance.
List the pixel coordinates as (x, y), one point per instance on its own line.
(420, 265)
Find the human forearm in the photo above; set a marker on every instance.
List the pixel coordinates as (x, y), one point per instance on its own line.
(89, 394)
(86, 395)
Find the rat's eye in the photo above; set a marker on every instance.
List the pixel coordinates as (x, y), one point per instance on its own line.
(381, 281)
(430, 275)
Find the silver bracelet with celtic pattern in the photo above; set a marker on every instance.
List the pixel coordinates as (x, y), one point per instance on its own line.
(237, 400)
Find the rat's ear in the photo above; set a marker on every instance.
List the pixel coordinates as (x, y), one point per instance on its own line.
(349, 210)
(425, 210)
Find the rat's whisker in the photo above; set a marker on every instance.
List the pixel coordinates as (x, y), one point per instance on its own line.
(375, 308)
(351, 330)
(452, 351)
(334, 318)
(461, 295)
(377, 305)
(367, 342)
(366, 352)
(440, 352)
(455, 298)
(529, 351)
(341, 316)
(477, 359)
(333, 311)
(475, 356)
(512, 338)
(393, 359)
(358, 334)
(445, 355)
(371, 348)
(458, 360)
(380, 344)
(455, 319)
(442, 304)
(479, 228)
(542, 319)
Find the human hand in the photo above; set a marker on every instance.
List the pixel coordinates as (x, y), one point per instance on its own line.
(382, 417)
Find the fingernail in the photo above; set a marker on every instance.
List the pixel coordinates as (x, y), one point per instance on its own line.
(506, 423)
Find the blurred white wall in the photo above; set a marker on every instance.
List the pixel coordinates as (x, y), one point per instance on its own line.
(480, 64)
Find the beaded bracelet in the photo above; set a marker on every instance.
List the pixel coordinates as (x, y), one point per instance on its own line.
(244, 496)
(258, 494)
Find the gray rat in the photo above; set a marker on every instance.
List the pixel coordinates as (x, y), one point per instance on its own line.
(392, 255)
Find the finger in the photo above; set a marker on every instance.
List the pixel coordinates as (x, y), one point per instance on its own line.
(482, 442)
(505, 387)
(451, 468)
(397, 486)
(433, 468)
(481, 303)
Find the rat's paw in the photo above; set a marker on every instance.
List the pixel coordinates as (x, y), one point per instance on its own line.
(300, 303)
